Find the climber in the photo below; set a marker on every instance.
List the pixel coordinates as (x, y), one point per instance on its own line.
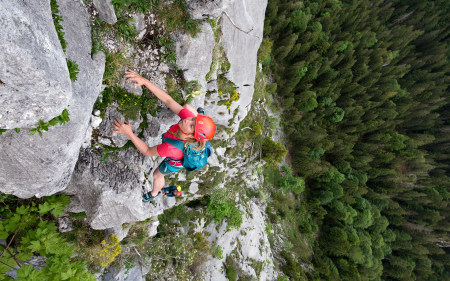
(193, 128)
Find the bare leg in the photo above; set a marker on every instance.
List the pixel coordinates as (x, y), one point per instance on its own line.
(158, 182)
(190, 108)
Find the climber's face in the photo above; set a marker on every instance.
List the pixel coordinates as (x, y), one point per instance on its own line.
(187, 125)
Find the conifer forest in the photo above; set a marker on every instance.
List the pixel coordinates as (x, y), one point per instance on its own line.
(364, 89)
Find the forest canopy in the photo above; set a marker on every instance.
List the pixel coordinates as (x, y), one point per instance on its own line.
(364, 89)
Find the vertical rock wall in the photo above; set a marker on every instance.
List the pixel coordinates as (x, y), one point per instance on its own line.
(39, 166)
(34, 80)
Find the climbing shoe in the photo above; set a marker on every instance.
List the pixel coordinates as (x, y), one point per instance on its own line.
(148, 197)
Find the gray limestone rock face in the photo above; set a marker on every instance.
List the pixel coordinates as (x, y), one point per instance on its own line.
(64, 224)
(120, 231)
(109, 190)
(200, 9)
(134, 274)
(242, 25)
(34, 79)
(253, 246)
(107, 136)
(194, 57)
(139, 23)
(106, 10)
(40, 166)
(153, 227)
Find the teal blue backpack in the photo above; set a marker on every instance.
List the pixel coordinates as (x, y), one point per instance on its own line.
(192, 159)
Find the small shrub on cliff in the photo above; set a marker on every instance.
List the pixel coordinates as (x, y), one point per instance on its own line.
(176, 17)
(221, 207)
(110, 249)
(218, 252)
(115, 64)
(273, 152)
(256, 127)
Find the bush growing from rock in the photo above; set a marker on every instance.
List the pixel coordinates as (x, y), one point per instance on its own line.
(221, 207)
(110, 249)
(291, 182)
(273, 152)
(256, 128)
(218, 252)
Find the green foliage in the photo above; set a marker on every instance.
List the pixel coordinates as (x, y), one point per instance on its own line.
(86, 241)
(60, 119)
(175, 250)
(221, 207)
(256, 127)
(125, 29)
(316, 153)
(372, 40)
(218, 252)
(98, 27)
(344, 46)
(134, 5)
(115, 64)
(353, 84)
(29, 230)
(131, 105)
(176, 17)
(168, 44)
(81, 215)
(338, 115)
(396, 141)
(110, 248)
(57, 19)
(264, 51)
(174, 90)
(227, 91)
(298, 21)
(231, 273)
(71, 65)
(191, 90)
(273, 152)
(308, 101)
(171, 253)
(291, 182)
(2, 131)
(287, 245)
(73, 70)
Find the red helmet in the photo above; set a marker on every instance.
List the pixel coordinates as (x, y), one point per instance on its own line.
(204, 128)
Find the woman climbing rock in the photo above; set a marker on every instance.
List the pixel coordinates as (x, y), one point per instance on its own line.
(190, 134)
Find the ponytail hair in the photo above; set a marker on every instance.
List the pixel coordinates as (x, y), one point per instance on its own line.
(198, 144)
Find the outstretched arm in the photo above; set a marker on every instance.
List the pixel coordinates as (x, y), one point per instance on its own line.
(125, 128)
(138, 80)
